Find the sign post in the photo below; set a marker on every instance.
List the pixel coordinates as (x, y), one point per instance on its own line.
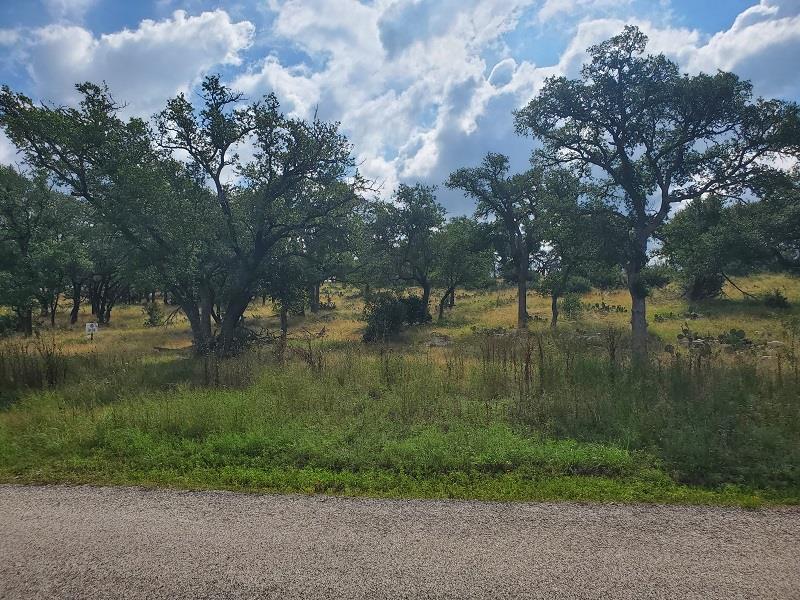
(91, 329)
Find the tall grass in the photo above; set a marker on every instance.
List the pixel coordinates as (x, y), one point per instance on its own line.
(495, 415)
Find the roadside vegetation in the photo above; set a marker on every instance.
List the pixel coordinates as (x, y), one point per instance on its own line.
(467, 407)
(616, 322)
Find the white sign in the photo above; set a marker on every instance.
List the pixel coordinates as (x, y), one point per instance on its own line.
(91, 329)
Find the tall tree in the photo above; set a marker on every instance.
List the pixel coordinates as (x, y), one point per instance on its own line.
(462, 257)
(578, 238)
(27, 231)
(510, 200)
(656, 137)
(208, 241)
(152, 201)
(301, 172)
(775, 218)
(408, 227)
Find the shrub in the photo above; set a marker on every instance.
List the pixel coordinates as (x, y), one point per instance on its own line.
(571, 306)
(776, 299)
(416, 312)
(8, 324)
(385, 314)
(154, 314)
(736, 338)
(701, 286)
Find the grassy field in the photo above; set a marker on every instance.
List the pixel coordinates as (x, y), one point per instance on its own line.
(480, 413)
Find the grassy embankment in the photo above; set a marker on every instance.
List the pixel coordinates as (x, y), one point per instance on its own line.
(493, 415)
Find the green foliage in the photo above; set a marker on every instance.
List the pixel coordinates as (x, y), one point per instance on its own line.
(154, 314)
(462, 255)
(651, 277)
(385, 314)
(8, 324)
(574, 426)
(416, 311)
(707, 239)
(404, 236)
(571, 306)
(776, 299)
(736, 339)
(203, 246)
(638, 129)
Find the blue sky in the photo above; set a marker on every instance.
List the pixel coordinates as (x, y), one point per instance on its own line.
(421, 87)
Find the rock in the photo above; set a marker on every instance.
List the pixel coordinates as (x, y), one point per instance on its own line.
(775, 344)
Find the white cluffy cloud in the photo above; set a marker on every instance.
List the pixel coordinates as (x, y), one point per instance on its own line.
(424, 87)
(421, 87)
(143, 66)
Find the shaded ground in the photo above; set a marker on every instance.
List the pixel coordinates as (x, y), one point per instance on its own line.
(87, 542)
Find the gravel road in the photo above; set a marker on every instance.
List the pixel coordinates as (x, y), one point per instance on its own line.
(90, 542)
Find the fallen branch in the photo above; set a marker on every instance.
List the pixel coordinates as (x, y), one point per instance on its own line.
(729, 280)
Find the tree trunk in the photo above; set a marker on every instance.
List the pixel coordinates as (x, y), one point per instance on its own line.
(207, 311)
(25, 321)
(76, 302)
(284, 321)
(522, 289)
(313, 294)
(638, 294)
(94, 297)
(443, 302)
(234, 311)
(452, 301)
(554, 310)
(53, 309)
(426, 298)
(201, 335)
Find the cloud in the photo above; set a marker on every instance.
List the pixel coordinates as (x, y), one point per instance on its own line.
(420, 87)
(143, 66)
(8, 153)
(8, 37)
(760, 46)
(70, 10)
(555, 8)
(405, 77)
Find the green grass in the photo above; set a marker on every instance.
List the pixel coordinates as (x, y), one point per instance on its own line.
(466, 422)
(489, 417)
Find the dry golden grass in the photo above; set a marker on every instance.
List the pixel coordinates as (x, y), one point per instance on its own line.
(496, 308)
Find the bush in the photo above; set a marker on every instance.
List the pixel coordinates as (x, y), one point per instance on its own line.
(8, 324)
(416, 312)
(776, 299)
(385, 314)
(154, 314)
(571, 306)
(736, 338)
(702, 286)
